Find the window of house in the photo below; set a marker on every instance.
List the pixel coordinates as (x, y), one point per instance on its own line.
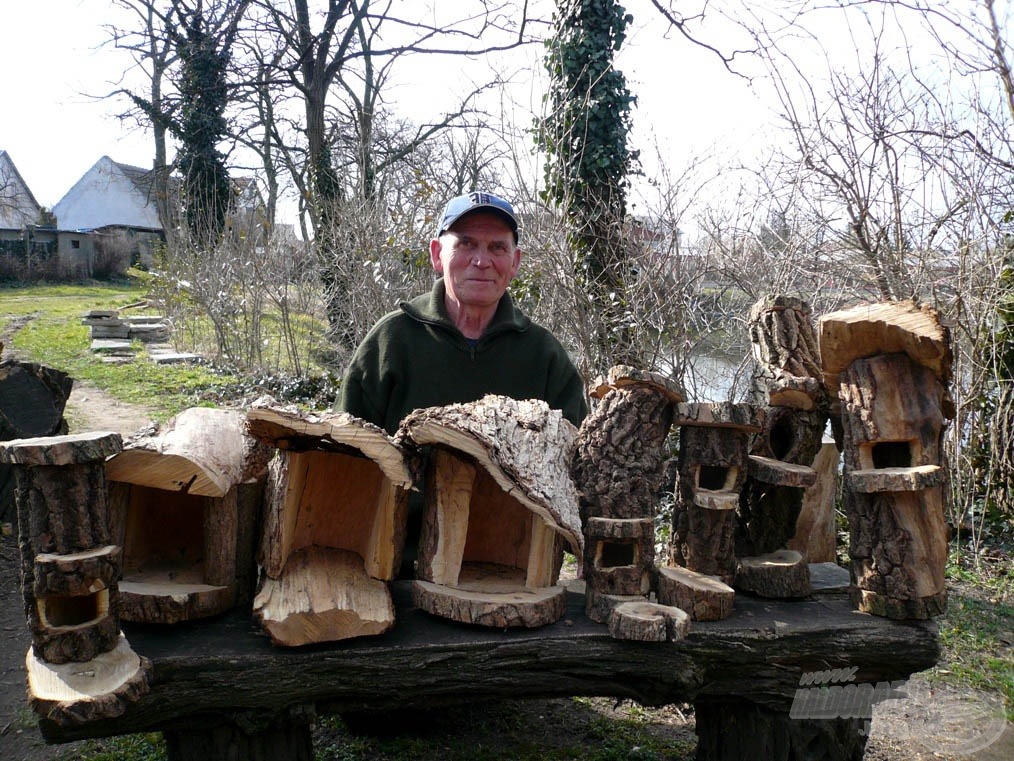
(75, 243)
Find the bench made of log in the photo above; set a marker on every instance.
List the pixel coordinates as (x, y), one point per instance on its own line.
(211, 678)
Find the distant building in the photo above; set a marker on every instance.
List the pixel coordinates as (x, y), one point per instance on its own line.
(121, 200)
(31, 246)
(115, 199)
(18, 206)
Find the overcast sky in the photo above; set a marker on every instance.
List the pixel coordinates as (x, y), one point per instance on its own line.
(54, 125)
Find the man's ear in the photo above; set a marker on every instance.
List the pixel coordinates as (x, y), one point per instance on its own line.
(435, 248)
(517, 261)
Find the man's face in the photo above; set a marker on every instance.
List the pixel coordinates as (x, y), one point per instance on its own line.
(477, 257)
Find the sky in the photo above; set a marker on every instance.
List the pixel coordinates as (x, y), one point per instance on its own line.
(55, 125)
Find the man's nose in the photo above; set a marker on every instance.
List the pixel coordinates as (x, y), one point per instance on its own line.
(481, 257)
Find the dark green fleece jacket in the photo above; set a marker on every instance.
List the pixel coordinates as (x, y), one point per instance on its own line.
(416, 357)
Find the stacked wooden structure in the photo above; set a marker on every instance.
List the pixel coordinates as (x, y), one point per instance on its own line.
(184, 502)
(711, 472)
(617, 469)
(334, 526)
(499, 506)
(80, 667)
(890, 366)
(788, 385)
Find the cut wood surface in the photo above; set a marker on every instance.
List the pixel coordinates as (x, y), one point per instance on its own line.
(287, 429)
(648, 622)
(32, 399)
(71, 694)
(703, 597)
(226, 666)
(916, 478)
(884, 328)
(816, 533)
(624, 376)
(742, 417)
(779, 575)
(323, 595)
(778, 473)
(201, 451)
(520, 607)
(524, 445)
(599, 605)
(332, 499)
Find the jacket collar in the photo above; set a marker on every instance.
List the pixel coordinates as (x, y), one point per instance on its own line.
(430, 308)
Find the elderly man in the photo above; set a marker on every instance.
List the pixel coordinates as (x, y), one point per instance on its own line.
(465, 338)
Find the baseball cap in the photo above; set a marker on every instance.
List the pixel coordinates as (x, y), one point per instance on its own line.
(459, 206)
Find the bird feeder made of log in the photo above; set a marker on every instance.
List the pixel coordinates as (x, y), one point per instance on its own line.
(499, 505)
(335, 510)
(184, 503)
(892, 364)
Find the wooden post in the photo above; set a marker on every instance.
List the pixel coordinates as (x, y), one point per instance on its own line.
(498, 503)
(740, 730)
(70, 572)
(891, 366)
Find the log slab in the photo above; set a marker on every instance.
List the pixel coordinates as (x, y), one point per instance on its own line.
(704, 598)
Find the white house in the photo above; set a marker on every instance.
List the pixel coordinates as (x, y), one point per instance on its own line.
(110, 195)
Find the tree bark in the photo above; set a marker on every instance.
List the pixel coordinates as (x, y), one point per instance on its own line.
(780, 575)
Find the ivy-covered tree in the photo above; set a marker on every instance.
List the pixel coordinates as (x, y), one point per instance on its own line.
(589, 162)
(204, 94)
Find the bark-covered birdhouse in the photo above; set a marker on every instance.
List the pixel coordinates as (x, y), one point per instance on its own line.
(335, 507)
(890, 365)
(712, 468)
(499, 506)
(618, 470)
(185, 498)
(80, 666)
(788, 384)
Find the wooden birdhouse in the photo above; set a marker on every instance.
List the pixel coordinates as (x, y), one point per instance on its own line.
(890, 365)
(499, 505)
(334, 526)
(711, 471)
(185, 498)
(617, 469)
(70, 574)
(788, 384)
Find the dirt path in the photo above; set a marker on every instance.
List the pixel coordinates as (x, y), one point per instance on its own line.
(92, 409)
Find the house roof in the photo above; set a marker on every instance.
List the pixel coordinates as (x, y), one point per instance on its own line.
(24, 209)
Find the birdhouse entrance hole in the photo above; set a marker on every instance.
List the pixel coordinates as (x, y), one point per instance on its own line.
(73, 610)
